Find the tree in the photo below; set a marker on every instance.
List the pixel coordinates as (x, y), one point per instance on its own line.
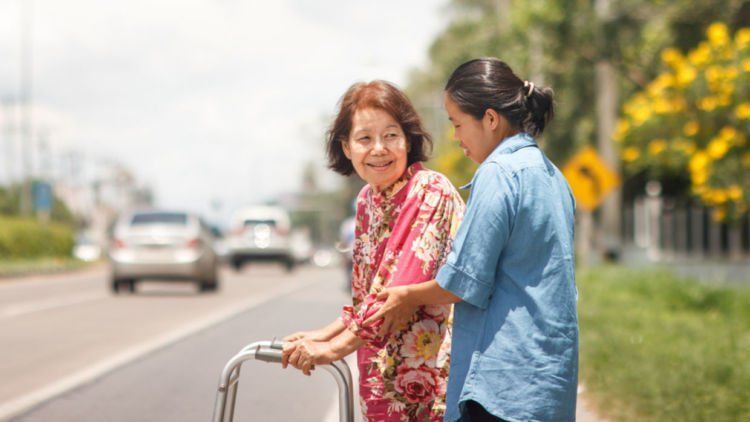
(617, 44)
(691, 124)
(573, 41)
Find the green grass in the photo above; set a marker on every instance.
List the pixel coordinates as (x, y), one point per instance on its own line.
(655, 347)
(16, 267)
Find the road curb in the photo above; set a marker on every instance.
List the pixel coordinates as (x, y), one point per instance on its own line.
(49, 276)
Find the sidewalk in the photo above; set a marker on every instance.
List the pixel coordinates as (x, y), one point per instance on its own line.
(584, 412)
(709, 270)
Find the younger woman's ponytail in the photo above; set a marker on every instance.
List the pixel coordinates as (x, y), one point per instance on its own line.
(539, 102)
(485, 83)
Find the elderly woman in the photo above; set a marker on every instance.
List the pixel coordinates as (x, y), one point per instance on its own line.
(405, 219)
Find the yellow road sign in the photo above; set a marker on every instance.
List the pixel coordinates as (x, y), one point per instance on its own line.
(590, 178)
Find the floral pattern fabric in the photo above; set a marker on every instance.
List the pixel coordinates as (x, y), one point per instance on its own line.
(403, 236)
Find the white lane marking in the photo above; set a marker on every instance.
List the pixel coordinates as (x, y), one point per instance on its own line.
(24, 308)
(23, 403)
(27, 282)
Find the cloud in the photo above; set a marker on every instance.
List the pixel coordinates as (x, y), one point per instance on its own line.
(208, 99)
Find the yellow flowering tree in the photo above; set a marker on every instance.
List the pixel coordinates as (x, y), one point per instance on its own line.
(693, 119)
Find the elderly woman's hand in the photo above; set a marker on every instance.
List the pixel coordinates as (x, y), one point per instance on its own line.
(397, 310)
(316, 335)
(305, 354)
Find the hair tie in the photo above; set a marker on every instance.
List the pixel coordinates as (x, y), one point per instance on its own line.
(530, 86)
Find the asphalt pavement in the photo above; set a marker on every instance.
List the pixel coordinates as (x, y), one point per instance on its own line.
(171, 370)
(178, 381)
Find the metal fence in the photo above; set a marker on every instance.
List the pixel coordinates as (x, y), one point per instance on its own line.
(669, 229)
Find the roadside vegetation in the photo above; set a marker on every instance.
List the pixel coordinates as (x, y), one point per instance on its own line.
(655, 347)
(22, 238)
(29, 245)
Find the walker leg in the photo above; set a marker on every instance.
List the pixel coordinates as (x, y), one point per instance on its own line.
(271, 352)
(233, 393)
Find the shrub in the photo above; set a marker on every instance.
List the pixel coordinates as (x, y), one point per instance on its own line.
(24, 238)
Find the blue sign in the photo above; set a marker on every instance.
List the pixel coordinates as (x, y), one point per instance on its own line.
(42, 194)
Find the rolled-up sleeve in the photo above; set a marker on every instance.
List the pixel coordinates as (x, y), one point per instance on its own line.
(469, 271)
(354, 319)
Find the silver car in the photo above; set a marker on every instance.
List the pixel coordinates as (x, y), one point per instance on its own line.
(162, 245)
(260, 233)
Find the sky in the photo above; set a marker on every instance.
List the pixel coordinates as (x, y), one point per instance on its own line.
(222, 100)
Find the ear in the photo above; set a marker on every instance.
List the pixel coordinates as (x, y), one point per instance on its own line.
(491, 119)
(345, 147)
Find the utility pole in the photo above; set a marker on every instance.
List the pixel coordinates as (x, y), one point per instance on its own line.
(6, 116)
(26, 105)
(536, 59)
(536, 54)
(502, 9)
(44, 156)
(74, 167)
(606, 114)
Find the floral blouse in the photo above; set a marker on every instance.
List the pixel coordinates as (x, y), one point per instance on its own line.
(403, 235)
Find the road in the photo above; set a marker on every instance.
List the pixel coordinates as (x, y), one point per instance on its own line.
(74, 352)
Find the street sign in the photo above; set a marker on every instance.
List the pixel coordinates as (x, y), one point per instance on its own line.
(42, 196)
(590, 178)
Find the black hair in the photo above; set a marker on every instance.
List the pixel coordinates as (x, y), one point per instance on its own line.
(488, 82)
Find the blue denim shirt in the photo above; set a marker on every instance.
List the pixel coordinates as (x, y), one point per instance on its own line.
(515, 332)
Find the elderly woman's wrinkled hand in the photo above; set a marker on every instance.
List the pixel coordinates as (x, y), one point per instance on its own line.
(305, 354)
(302, 335)
(397, 310)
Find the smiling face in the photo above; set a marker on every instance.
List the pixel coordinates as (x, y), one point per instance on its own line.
(477, 137)
(377, 147)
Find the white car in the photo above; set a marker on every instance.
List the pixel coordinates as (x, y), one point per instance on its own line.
(86, 249)
(260, 233)
(163, 245)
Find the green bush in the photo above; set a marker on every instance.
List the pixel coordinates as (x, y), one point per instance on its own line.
(657, 348)
(25, 238)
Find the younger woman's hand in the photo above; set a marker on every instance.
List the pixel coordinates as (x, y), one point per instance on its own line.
(397, 310)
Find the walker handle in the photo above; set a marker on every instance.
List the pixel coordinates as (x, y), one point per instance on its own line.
(267, 354)
(277, 344)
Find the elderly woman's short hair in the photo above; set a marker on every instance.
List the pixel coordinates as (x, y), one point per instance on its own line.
(379, 95)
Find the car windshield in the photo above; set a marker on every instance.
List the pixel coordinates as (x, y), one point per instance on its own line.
(257, 222)
(170, 218)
